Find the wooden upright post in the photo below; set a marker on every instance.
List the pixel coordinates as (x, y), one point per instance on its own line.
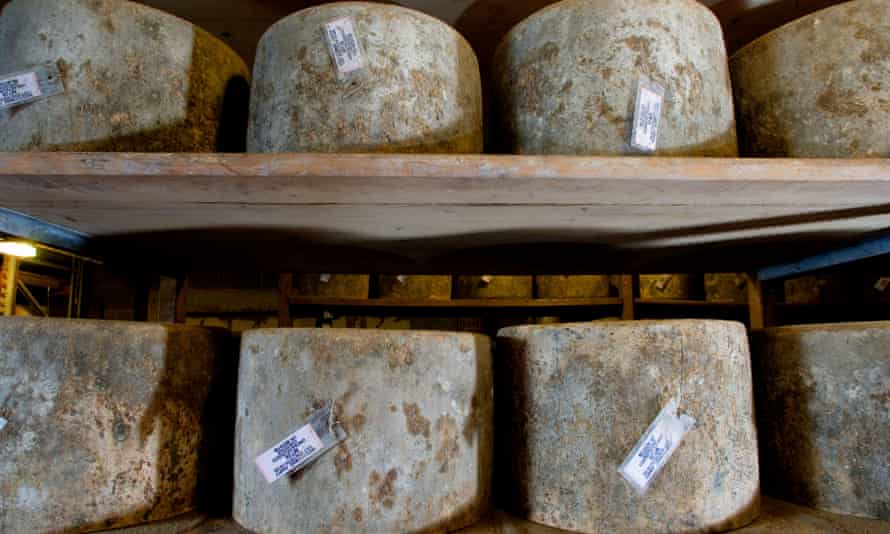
(182, 289)
(761, 303)
(8, 284)
(627, 297)
(285, 286)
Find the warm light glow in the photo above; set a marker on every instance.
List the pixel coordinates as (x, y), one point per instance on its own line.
(18, 249)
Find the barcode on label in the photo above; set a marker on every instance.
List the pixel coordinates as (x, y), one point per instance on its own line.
(319, 435)
(289, 454)
(647, 115)
(27, 86)
(344, 45)
(19, 89)
(656, 446)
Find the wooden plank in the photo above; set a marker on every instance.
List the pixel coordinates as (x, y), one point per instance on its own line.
(332, 302)
(412, 208)
(690, 303)
(206, 301)
(42, 280)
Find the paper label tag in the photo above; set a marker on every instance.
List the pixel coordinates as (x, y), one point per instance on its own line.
(302, 447)
(882, 283)
(344, 45)
(28, 86)
(647, 114)
(656, 446)
(19, 89)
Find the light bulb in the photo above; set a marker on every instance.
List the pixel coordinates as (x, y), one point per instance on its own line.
(17, 249)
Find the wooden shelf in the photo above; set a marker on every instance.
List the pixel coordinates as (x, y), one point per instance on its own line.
(454, 303)
(690, 303)
(441, 213)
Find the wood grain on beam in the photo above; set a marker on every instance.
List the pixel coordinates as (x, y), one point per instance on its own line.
(418, 207)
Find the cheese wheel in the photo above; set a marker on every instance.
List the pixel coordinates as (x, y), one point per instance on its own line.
(135, 79)
(332, 285)
(417, 287)
(574, 399)
(494, 287)
(417, 410)
(576, 286)
(777, 517)
(106, 422)
(823, 409)
(665, 286)
(567, 78)
(818, 87)
(417, 89)
(726, 287)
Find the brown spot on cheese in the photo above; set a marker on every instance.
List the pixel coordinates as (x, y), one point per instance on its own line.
(343, 459)
(399, 358)
(357, 514)
(414, 419)
(357, 422)
(878, 48)
(449, 447)
(385, 490)
(841, 102)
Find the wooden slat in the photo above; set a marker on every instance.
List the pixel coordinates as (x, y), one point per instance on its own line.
(41, 280)
(408, 209)
(455, 303)
(205, 301)
(690, 303)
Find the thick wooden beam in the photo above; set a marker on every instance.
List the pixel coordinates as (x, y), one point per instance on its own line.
(415, 213)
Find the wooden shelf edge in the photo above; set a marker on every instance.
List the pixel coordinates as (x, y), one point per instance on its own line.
(454, 303)
(689, 302)
(420, 213)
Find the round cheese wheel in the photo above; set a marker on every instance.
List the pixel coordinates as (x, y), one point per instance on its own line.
(135, 79)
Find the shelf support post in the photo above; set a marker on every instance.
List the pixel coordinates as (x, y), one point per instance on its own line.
(285, 287)
(761, 303)
(627, 292)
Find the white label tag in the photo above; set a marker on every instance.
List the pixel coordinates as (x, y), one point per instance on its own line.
(2, 423)
(344, 45)
(656, 446)
(19, 89)
(882, 283)
(290, 454)
(647, 114)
